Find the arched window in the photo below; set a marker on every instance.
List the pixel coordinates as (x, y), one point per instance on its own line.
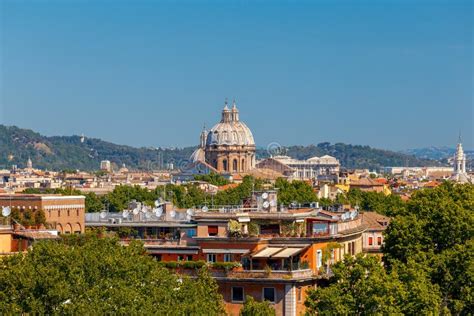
(235, 165)
(224, 164)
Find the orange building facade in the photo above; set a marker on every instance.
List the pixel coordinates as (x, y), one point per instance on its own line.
(63, 213)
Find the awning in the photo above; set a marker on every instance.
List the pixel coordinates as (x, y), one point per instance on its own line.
(267, 252)
(288, 252)
(234, 251)
(278, 252)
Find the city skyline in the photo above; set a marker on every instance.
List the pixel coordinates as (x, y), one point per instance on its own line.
(301, 74)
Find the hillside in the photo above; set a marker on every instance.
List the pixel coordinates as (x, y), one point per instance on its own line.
(68, 152)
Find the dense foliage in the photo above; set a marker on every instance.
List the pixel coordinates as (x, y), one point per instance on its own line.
(212, 178)
(428, 262)
(254, 308)
(389, 205)
(361, 286)
(68, 152)
(436, 232)
(91, 276)
(295, 191)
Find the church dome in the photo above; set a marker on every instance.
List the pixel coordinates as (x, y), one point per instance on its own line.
(230, 130)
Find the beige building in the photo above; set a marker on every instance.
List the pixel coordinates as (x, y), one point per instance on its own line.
(63, 213)
(229, 146)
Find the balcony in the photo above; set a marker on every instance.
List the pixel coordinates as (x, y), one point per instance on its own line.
(269, 274)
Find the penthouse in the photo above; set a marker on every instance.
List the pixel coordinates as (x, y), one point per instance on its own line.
(262, 250)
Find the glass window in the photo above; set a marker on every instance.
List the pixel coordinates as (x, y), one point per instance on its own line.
(212, 230)
(191, 232)
(269, 294)
(299, 294)
(189, 257)
(379, 241)
(320, 228)
(227, 257)
(371, 241)
(211, 257)
(237, 294)
(319, 258)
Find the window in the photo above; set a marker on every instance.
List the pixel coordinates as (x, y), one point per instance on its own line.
(189, 257)
(299, 294)
(212, 230)
(237, 294)
(224, 163)
(353, 248)
(319, 258)
(371, 241)
(59, 213)
(269, 294)
(235, 165)
(227, 257)
(379, 241)
(77, 212)
(191, 232)
(180, 258)
(68, 213)
(320, 228)
(211, 257)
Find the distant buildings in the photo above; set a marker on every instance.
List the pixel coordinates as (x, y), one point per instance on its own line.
(316, 168)
(105, 165)
(460, 174)
(63, 213)
(229, 146)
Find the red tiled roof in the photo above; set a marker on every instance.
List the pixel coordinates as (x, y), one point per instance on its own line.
(374, 221)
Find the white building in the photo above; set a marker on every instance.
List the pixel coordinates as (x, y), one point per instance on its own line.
(313, 168)
(460, 174)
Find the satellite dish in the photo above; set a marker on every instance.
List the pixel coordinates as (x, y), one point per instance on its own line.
(205, 208)
(273, 203)
(125, 214)
(173, 213)
(136, 211)
(190, 212)
(157, 203)
(265, 195)
(266, 204)
(158, 211)
(103, 214)
(6, 211)
(147, 215)
(293, 204)
(144, 209)
(188, 217)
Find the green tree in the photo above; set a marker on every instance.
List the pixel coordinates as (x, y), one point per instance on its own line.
(361, 286)
(86, 275)
(436, 232)
(212, 178)
(254, 308)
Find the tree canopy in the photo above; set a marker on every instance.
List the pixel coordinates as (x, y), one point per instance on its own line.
(254, 308)
(428, 260)
(90, 276)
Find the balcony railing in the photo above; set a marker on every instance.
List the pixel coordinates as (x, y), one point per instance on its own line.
(255, 274)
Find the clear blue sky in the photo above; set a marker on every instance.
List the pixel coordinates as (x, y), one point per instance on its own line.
(390, 74)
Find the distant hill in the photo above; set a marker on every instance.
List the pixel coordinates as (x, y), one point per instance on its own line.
(442, 154)
(69, 152)
(357, 156)
(436, 153)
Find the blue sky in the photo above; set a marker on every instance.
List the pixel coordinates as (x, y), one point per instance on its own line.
(390, 74)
